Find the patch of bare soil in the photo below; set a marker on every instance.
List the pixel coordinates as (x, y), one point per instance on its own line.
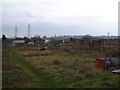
(36, 55)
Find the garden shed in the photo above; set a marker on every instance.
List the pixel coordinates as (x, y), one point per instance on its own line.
(107, 62)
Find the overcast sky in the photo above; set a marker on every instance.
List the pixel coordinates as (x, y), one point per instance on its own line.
(60, 17)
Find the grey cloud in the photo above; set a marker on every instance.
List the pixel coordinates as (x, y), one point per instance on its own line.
(48, 28)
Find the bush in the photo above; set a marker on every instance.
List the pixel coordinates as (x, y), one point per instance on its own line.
(56, 62)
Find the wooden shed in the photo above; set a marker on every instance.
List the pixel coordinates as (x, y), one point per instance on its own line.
(100, 62)
(107, 62)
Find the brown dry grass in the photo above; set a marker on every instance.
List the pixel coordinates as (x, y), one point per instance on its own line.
(73, 65)
(77, 63)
